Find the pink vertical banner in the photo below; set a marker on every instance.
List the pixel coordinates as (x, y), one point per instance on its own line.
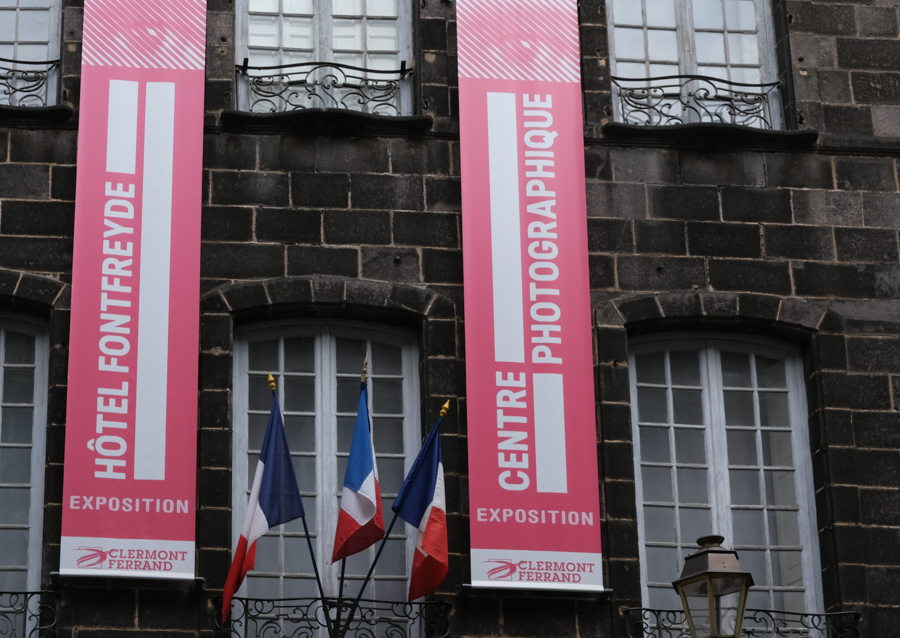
(533, 488)
(131, 424)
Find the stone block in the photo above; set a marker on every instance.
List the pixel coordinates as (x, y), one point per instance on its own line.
(609, 236)
(876, 21)
(658, 236)
(831, 352)
(352, 155)
(647, 166)
(601, 272)
(723, 169)
(881, 209)
(226, 223)
(440, 230)
(627, 201)
(391, 192)
(598, 163)
(719, 239)
(799, 242)
(318, 260)
(876, 88)
(36, 253)
(871, 354)
(215, 374)
(886, 121)
(357, 227)
(855, 391)
(772, 278)
(865, 174)
(25, 181)
(287, 226)
(315, 190)
(812, 51)
(868, 54)
(834, 86)
(683, 202)
(241, 260)
(289, 291)
(828, 208)
(833, 280)
(62, 182)
(43, 146)
(847, 119)
(866, 244)
(615, 422)
(224, 151)
(37, 218)
(442, 266)
(444, 194)
(639, 309)
(680, 304)
(799, 170)
(287, 153)
(433, 34)
(420, 157)
(822, 19)
(235, 188)
(660, 273)
(756, 205)
(879, 506)
(390, 264)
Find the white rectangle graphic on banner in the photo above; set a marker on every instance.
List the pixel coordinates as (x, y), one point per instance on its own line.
(506, 250)
(518, 569)
(121, 130)
(124, 557)
(156, 241)
(550, 433)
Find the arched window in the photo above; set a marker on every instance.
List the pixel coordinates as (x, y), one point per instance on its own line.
(23, 421)
(317, 367)
(721, 447)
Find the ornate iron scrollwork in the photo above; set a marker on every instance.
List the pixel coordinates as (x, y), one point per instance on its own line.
(290, 87)
(310, 618)
(29, 614)
(25, 83)
(758, 623)
(687, 99)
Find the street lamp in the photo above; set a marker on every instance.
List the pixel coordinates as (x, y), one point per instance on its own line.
(713, 590)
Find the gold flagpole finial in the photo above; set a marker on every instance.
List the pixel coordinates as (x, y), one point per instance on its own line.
(362, 379)
(271, 382)
(445, 408)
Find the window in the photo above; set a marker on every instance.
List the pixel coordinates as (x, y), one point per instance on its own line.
(317, 368)
(23, 356)
(367, 34)
(723, 40)
(29, 34)
(721, 447)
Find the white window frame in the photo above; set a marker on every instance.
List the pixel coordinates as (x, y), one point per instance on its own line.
(327, 507)
(53, 48)
(687, 55)
(716, 444)
(38, 441)
(324, 51)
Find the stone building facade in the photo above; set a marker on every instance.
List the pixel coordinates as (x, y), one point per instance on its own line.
(701, 230)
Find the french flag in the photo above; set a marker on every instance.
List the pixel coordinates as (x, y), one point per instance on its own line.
(421, 503)
(274, 499)
(361, 520)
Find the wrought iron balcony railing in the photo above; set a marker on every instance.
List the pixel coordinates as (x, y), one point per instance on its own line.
(688, 99)
(758, 623)
(291, 87)
(24, 83)
(309, 618)
(32, 614)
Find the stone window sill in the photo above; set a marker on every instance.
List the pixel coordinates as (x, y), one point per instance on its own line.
(326, 122)
(35, 115)
(710, 136)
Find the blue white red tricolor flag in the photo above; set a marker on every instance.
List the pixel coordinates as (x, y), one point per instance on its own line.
(361, 520)
(274, 500)
(421, 503)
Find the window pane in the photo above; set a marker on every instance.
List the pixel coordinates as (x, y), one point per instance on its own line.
(773, 410)
(685, 367)
(386, 359)
(259, 394)
(740, 15)
(660, 13)
(16, 425)
(738, 408)
(628, 12)
(789, 601)
(692, 486)
(748, 527)
(710, 48)
(390, 475)
(387, 436)
(662, 45)
(655, 445)
(15, 465)
(263, 355)
(301, 433)
(744, 487)
(387, 396)
(299, 355)
(348, 34)
(34, 26)
(305, 469)
(747, 76)
(348, 395)
(651, 368)
(393, 559)
(657, 484)
(742, 447)
(13, 547)
(300, 394)
(267, 554)
(302, 7)
(347, 7)
(662, 564)
(300, 588)
(261, 587)
(252, 464)
(14, 504)
(784, 528)
(263, 6)
(659, 524)
(690, 446)
(735, 370)
(350, 354)
(652, 405)
(256, 430)
(345, 427)
(708, 14)
(19, 348)
(695, 523)
(8, 26)
(755, 563)
(780, 488)
(687, 407)
(381, 8)
(786, 569)
(664, 598)
(777, 449)
(262, 31)
(770, 373)
(296, 556)
(630, 43)
(18, 385)
(743, 49)
(299, 33)
(632, 70)
(13, 581)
